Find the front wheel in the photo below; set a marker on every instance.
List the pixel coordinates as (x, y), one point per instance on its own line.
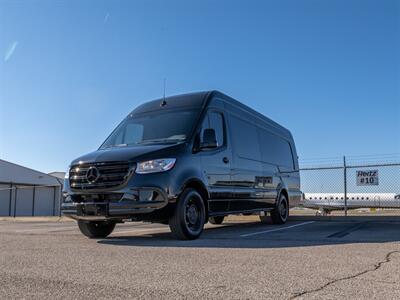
(187, 221)
(96, 230)
(281, 213)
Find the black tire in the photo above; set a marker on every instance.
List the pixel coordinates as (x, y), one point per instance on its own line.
(265, 219)
(281, 213)
(187, 221)
(96, 230)
(216, 220)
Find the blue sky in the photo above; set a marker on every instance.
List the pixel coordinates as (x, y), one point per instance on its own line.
(70, 71)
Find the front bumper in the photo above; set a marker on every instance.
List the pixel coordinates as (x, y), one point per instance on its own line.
(144, 201)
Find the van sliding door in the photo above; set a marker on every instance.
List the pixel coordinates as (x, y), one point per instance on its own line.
(247, 171)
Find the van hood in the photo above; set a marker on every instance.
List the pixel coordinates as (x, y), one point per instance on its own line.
(131, 154)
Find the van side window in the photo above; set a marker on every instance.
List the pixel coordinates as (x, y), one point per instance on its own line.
(275, 150)
(214, 120)
(245, 139)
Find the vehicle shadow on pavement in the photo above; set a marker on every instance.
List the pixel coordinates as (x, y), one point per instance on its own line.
(256, 235)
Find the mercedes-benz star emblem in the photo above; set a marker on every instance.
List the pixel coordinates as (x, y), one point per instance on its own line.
(92, 174)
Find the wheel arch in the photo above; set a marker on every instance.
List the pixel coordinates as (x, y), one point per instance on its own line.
(284, 192)
(200, 187)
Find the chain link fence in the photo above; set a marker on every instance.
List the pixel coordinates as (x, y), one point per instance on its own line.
(351, 185)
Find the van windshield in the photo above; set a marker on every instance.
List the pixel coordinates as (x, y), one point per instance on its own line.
(169, 126)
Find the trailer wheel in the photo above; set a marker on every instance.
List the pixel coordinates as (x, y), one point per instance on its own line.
(280, 214)
(96, 230)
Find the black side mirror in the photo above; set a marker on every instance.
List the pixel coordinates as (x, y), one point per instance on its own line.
(209, 140)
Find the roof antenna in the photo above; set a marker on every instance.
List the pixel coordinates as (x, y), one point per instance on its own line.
(163, 103)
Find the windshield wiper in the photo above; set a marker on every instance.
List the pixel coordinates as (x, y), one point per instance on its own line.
(159, 141)
(112, 146)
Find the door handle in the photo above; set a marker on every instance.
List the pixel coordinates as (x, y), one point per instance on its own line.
(225, 160)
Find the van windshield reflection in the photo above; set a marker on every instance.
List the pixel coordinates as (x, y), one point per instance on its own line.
(152, 128)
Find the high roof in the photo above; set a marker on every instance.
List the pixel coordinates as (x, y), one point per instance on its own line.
(283, 131)
(198, 99)
(184, 100)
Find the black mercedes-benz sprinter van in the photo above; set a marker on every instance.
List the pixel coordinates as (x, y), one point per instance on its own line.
(183, 161)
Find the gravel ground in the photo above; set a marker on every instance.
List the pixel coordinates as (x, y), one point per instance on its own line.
(299, 260)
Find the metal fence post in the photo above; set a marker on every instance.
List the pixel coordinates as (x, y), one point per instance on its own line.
(345, 185)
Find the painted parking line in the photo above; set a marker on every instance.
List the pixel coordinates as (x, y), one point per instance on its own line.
(277, 229)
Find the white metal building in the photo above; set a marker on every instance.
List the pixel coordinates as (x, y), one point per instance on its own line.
(26, 192)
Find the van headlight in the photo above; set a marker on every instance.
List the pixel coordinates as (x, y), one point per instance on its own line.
(156, 165)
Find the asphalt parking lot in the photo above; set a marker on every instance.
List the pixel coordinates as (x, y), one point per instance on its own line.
(303, 259)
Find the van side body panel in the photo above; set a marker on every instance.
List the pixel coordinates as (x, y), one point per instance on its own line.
(257, 181)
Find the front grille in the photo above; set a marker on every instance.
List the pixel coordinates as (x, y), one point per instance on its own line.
(109, 175)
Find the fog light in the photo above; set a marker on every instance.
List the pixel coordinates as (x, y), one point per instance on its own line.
(129, 197)
(146, 195)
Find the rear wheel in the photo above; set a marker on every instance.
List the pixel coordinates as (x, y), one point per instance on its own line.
(187, 222)
(280, 214)
(264, 218)
(96, 230)
(216, 220)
